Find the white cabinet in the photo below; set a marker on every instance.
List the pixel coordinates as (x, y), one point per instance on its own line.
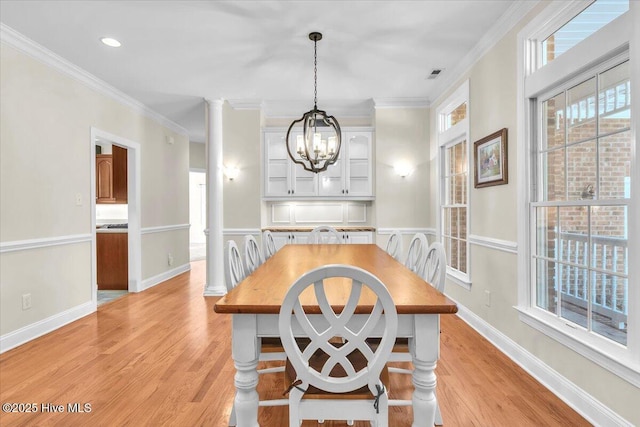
(283, 178)
(357, 237)
(282, 238)
(351, 177)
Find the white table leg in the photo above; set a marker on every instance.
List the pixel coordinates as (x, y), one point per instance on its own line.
(425, 351)
(245, 358)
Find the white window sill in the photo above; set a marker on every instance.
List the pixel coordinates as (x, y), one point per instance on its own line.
(601, 351)
(459, 279)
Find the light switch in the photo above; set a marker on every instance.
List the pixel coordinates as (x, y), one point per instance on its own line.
(78, 199)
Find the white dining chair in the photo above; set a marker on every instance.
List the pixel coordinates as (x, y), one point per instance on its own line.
(394, 245)
(252, 255)
(234, 272)
(271, 347)
(337, 376)
(268, 244)
(417, 254)
(435, 271)
(324, 234)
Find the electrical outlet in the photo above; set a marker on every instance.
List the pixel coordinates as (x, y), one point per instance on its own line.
(169, 259)
(487, 298)
(26, 301)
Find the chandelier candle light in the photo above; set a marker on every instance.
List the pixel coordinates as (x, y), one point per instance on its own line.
(319, 144)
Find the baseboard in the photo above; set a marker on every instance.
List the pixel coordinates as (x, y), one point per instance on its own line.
(159, 278)
(586, 405)
(44, 326)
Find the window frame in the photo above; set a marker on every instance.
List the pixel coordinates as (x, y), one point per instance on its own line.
(446, 139)
(607, 44)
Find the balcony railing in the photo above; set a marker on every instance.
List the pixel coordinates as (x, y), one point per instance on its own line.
(608, 270)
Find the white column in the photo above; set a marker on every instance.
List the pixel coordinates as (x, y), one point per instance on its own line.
(215, 240)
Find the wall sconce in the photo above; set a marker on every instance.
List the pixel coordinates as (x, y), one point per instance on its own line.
(231, 172)
(403, 169)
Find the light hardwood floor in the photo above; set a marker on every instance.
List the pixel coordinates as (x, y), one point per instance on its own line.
(162, 357)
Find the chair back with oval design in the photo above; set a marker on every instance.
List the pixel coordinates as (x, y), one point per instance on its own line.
(252, 255)
(324, 234)
(417, 254)
(268, 245)
(435, 270)
(337, 359)
(234, 272)
(394, 245)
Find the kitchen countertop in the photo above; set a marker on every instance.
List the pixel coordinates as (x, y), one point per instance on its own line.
(111, 230)
(292, 229)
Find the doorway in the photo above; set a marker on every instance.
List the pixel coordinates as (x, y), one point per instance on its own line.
(133, 243)
(197, 214)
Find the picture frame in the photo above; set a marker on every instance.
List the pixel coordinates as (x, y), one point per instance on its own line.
(490, 159)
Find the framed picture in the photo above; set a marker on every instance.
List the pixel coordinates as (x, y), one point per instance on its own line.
(490, 157)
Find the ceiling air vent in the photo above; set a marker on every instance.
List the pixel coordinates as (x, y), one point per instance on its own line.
(434, 73)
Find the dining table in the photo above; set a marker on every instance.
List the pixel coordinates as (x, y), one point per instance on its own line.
(255, 306)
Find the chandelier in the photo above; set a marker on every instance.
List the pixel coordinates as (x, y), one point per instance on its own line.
(318, 146)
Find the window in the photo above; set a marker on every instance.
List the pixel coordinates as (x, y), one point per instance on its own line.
(577, 152)
(454, 183)
(587, 22)
(454, 206)
(580, 261)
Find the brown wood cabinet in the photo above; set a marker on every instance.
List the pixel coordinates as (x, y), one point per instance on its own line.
(111, 176)
(113, 260)
(104, 179)
(119, 174)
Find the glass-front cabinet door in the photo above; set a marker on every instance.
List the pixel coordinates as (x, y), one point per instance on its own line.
(358, 172)
(277, 166)
(349, 177)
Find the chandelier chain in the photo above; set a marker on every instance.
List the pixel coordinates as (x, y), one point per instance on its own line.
(315, 74)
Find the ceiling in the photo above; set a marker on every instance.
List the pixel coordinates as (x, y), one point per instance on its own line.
(176, 53)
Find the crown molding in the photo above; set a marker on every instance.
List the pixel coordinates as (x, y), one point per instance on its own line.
(401, 103)
(339, 108)
(40, 53)
(503, 25)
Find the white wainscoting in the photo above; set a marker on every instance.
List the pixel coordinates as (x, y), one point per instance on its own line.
(408, 231)
(318, 213)
(297, 213)
(497, 244)
(23, 245)
(163, 228)
(356, 213)
(281, 213)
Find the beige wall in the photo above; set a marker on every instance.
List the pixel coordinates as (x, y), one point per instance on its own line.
(241, 148)
(45, 147)
(197, 156)
(401, 136)
(493, 214)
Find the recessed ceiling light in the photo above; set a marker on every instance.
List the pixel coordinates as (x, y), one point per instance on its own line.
(110, 42)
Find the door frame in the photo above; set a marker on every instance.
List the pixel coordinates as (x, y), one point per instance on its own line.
(133, 204)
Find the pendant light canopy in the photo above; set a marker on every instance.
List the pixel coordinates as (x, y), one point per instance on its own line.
(314, 140)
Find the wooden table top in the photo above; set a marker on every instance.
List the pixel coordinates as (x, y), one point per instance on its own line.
(264, 290)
